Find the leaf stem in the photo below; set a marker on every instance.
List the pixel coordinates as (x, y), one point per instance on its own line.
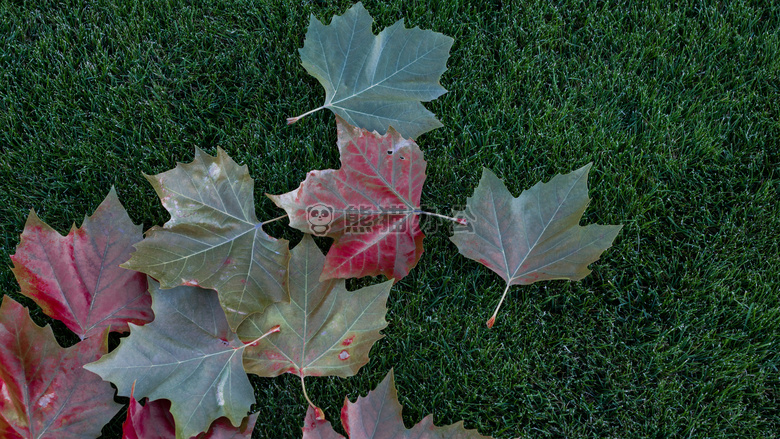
(492, 320)
(292, 120)
(272, 220)
(461, 221)
(320, 414)
(276, 328)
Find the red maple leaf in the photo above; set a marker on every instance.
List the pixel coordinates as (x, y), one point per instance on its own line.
(154, 420)
(45, 392)
(378, 416)
(370, 206)
(77, 279)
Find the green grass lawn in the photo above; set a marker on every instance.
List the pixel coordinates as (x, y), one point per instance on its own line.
(674, 334)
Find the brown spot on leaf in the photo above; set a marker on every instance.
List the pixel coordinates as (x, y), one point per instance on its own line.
(348, 341)
(343, 355)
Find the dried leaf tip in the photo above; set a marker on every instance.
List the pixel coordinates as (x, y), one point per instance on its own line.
(319, 414)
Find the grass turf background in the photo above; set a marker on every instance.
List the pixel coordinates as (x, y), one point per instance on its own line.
(675, 333)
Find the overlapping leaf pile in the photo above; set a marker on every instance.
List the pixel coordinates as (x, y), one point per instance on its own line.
(223, 298)
(75, 279)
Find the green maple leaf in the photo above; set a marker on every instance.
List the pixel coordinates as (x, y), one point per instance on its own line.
(188, 355)
(213, 239)
(374, 82)
(535, 236)
(325, 329)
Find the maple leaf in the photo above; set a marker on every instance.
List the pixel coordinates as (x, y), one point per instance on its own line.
(535, 236)
(325, 329)
(153, 420)
(77, 279)
(378, 416)
(376, 81)
(187, 355)
(374, 203)
(44, 391)
(213, 238)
